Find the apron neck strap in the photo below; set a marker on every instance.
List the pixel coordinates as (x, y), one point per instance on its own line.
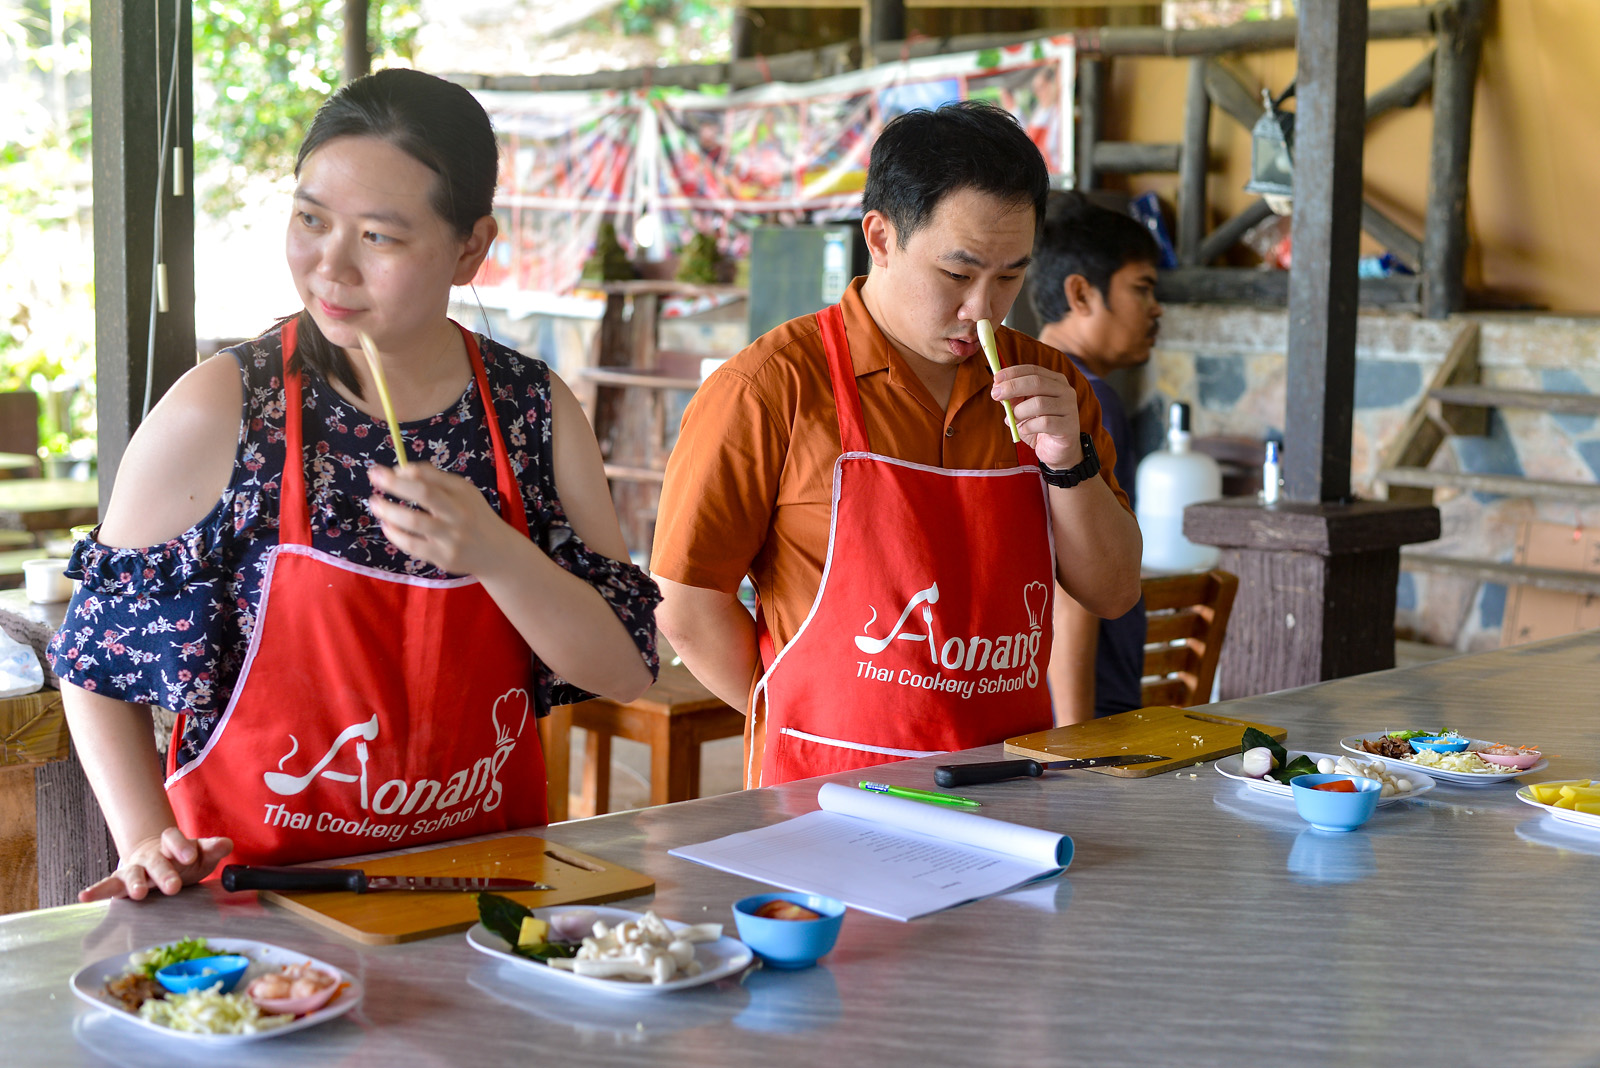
(294, 517)
(846, 399)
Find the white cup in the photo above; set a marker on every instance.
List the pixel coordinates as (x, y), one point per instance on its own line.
(46, 581)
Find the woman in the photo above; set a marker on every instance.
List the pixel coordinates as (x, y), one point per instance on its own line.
(358, 648)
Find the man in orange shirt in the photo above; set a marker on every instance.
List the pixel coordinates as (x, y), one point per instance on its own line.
(857, 465)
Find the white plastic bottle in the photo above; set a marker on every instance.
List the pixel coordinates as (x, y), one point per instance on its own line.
(1169, 481)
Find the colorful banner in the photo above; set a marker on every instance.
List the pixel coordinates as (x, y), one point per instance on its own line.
(662, 165)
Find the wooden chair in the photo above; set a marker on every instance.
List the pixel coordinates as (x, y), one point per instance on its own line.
(1187, 620)
(673, 718)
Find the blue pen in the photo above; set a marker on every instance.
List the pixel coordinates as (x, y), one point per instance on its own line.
(918, 795)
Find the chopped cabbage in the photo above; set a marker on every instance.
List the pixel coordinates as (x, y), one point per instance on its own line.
(210, 1012)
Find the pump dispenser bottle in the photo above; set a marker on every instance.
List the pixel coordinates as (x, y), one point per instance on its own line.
(1169, 481)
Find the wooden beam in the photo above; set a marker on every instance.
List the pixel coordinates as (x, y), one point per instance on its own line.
(1132, 157)
(1445, 231)
(1228, 234)
(1391, 235)
(1323, 285)
(1251, 285)
(1580, 493)
(1525, 399)
(131, 53)
(1228, 92)
(1091, 90)
(1389, 23)
(1192, 166)
(357, 49)
(1541, 578)
(1404, 91)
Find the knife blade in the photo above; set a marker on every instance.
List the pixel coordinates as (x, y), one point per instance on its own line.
(995, 770)
(257, 877)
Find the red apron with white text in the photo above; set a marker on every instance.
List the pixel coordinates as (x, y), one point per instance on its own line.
(373, 709)
(931, 627)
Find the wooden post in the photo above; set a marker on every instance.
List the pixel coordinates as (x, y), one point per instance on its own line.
(1192, 166)
(1329, 127)
(1316, 586)
(881, 20)
(1091, 90)
(357, 49)
(130, 54)
(1444, 250)
(1317, 573)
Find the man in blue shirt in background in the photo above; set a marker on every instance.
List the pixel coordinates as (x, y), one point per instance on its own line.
(1092, 283)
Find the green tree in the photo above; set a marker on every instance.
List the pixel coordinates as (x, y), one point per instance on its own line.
(46, 213)
(261, 69)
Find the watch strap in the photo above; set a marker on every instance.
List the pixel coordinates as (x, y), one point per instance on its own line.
(1080, 472)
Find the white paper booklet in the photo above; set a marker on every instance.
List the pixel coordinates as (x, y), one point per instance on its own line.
(886, 855)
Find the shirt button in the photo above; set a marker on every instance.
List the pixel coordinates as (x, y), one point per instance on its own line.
(949, 431)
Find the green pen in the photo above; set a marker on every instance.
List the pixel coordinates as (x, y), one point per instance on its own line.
(918, 795)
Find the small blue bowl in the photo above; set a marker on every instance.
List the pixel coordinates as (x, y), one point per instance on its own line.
(1440, 744)
(789, 943)
(1335, 811)
(205, 972)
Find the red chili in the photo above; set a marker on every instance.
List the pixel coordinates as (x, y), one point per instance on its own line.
(1339, 786)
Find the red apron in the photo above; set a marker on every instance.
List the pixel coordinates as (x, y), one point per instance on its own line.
(931, 627)
(373, 710)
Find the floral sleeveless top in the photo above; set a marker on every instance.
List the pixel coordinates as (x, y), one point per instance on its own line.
(169, 625)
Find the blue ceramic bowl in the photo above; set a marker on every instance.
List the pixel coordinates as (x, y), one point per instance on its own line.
(1440, 744)
(1335, 811)
(187, 975)
(789, 943)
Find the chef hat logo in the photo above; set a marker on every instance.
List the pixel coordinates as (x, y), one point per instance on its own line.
(1034, 597)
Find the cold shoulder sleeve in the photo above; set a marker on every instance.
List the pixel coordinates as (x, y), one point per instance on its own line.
(153, 625)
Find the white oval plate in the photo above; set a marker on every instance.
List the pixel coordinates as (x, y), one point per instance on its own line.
(718, 960)
(89, 983)
(1352, 744)
(1581, 819)
(1231, 767)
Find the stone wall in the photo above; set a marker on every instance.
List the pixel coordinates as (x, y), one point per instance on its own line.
(1229, 364)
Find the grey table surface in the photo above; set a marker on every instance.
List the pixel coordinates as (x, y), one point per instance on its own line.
(1198, 924)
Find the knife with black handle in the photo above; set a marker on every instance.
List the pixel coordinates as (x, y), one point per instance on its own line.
(995, 770)
(252, 877)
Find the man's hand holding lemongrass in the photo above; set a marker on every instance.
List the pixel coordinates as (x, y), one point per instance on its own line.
(1046, 408)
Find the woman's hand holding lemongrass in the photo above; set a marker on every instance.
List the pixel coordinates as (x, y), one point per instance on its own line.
(443, 519)
(1046, 408)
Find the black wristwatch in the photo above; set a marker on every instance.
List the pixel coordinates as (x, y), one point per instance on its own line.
(1084, 470)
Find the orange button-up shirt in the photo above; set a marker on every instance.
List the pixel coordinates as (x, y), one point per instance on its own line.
(749, 484)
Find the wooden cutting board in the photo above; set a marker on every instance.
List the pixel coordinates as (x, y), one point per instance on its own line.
(1185, 736)
(385, 917)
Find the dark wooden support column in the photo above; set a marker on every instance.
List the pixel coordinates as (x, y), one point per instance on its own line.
(1444, 251)
(131, 54)
(1316, 586)
(1317, 573)
(1193, 164)
(1091, 92)
(1329, 126)
(882, 20)
(357, 49)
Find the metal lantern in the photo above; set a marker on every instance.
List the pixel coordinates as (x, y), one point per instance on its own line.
(1271, 163)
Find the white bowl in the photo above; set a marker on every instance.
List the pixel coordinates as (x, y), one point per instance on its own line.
(46, 581)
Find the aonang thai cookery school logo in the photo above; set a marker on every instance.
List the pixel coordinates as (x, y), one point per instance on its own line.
(431, 804)
(958, 665)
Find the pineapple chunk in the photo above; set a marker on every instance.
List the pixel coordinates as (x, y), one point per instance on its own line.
(1546, 793)
(1591, 807)
(535, 932)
